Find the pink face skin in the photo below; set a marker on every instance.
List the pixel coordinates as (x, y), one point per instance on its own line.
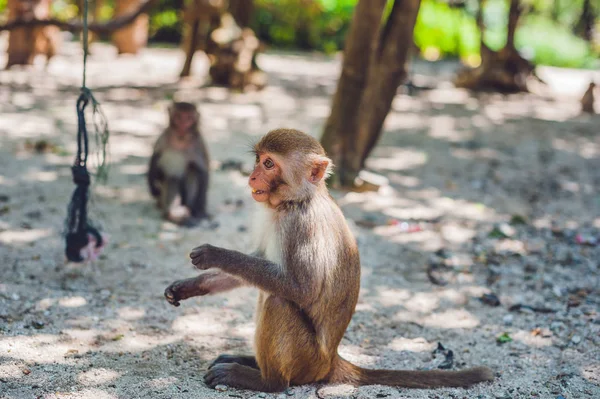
(265, 172)
(183, 121)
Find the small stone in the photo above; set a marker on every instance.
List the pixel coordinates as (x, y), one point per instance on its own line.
(576, 339)
(221, 388)
(508, 320)
(262, 395)
(38, 325)
(26, 371)
(15, 297)
(490, 299)
(289, 392)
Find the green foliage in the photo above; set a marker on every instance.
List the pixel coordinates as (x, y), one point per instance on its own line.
(306, 24)
(166, 23)
(550, 43)
(444, 31)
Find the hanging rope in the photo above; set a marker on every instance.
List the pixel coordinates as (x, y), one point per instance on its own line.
(80, 232)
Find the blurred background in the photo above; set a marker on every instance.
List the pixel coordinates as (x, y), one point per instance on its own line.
(561, 33)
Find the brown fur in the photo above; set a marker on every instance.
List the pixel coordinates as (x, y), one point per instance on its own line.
(179, 166)
(307, 268)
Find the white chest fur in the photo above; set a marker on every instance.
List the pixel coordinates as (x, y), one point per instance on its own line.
(268, 235)
(173, 163)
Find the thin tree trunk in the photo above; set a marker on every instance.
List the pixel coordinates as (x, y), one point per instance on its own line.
(585, 25)
(242, 11)
(192, 45)
(24, 43)
(514, 14)
(385, 78)
(341, 127)
(367, 85)
(134, 36)
(505, 70)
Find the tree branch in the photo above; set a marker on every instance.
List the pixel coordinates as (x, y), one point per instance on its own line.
(76, 26)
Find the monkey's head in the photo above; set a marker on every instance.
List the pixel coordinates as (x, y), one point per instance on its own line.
(290, 167)
(183, 118)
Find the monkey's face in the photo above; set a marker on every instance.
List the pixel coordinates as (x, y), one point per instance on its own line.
(265, 179)
(183, 121)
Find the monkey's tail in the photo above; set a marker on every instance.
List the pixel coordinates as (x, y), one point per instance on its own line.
(346, 372)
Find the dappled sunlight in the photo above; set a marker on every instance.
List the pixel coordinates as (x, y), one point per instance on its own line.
(24, 236)
(448, 319)
(203, 322)
(456, 233)
(128, 146)
(139, 169)
(125, 195)
(409, 123)
(591, 372)
(422, 302)
(97, 376)
(72, 302)
(28, 126)
(418, 344)
(455, 162)
(449, 95)
(162, 382)
(135, 342)
(533, 340)
(40, 175)
(585, 148)
(131, 313)
(392, 296)
(11, 370)
(41, 348)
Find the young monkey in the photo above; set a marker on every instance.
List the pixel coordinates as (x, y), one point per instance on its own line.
(179, 167)
(307, 269)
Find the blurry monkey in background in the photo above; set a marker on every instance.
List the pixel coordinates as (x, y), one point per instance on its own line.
(178, 171)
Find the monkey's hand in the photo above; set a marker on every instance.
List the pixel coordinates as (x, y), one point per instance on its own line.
(184, 289)
(207, 256)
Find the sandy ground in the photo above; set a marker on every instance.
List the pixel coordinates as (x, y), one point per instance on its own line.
(460, 168)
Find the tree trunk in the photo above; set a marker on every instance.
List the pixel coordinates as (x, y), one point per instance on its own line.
(585, 25)
(242, 11)
(25, 43)
(367, 84)
(200, 17)
(230, 47)
(133, 37)
(505, 70)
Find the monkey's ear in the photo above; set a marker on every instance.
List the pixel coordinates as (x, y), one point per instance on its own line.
(318, 170)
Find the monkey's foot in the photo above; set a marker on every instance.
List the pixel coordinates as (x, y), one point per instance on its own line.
(242, 377)
(249, 361)
(183, 289)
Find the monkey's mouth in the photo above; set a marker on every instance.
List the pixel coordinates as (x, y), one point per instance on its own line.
(255, 191)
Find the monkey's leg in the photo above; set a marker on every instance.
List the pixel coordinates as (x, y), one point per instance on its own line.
(242, 377)
(196, 187)
(211, 282)
(172, 210)
(244, 360)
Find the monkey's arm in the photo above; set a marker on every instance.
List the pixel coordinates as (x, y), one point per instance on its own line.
(262, 273)
(211, 282)
(154, 175)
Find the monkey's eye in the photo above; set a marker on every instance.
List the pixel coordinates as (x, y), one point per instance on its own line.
(268, 164)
